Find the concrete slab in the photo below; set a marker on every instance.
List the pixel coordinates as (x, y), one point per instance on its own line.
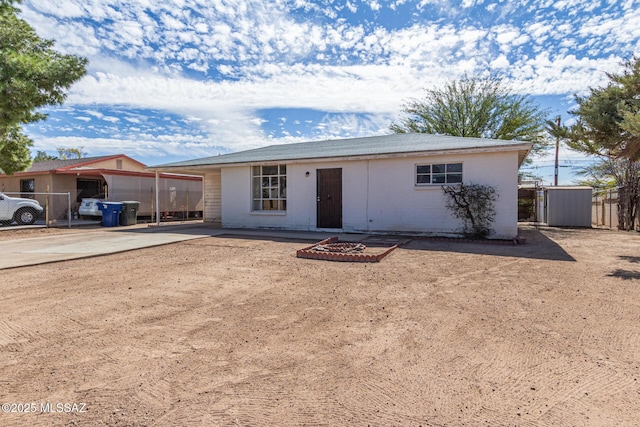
(62, 247)
(41, 250)
(310, 236)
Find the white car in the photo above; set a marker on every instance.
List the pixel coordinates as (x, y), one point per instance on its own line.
(89, 207)
(22, 211)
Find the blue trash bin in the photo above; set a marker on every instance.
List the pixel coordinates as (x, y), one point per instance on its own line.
(110, 213)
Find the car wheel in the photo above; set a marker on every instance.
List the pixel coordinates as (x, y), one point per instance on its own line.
(25, 216)
(5, 222)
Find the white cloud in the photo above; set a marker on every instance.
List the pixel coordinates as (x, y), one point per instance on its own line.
(171, 23)
(232, 105)
(94, 113)
(60, 8)
(501, 62)
(138, 146)
(352, 125)
(546, 74)
(373, 4)
(539, 31)
(572, 4)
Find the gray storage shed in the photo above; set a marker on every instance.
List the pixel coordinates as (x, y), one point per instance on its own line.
(568, 206)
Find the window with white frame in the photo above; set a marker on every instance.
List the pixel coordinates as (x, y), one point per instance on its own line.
(439, 173)
(269, 188)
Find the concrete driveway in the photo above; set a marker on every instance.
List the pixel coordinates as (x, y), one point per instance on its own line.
(39, 250)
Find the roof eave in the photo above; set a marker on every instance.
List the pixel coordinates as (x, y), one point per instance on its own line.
(101, 159)
(523, 153)
(522, 149)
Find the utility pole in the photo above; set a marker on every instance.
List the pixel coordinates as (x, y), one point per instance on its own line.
(557, 149)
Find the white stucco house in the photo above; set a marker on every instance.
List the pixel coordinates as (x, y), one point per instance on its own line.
(387, 184)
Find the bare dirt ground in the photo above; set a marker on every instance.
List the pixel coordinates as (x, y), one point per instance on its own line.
(13, 232)
(239, 332)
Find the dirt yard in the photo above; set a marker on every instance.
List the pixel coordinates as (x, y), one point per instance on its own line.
(13, 232)
(238, 332)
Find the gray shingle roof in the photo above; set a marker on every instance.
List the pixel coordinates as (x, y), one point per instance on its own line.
(56, 164)
(376, 145)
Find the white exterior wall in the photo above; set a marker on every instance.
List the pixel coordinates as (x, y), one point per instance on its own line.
(301, 197)
(377, 195)
(403, 206)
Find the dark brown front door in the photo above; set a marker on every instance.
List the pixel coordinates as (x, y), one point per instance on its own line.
(329, 198)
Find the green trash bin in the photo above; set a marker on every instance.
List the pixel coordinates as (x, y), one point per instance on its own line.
(129, 214)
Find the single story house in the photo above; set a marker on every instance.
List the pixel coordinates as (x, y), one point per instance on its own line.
(386, 184)
(115, 177)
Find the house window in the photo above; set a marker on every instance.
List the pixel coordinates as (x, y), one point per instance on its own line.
(438, 174)
(27, 186)
(269, 188)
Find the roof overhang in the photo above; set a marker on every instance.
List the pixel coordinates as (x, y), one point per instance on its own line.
(103, 172)
(118, 172)
(522, 154)
(101, 159)
(77, 165)
(522, 150)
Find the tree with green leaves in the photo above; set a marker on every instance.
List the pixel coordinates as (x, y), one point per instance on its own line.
(475, 107)
(71, 153)
(601, 174)
(608, 128)
(14, 150)
(43, 156)
(32, 75)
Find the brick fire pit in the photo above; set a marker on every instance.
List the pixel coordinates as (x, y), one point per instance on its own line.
(332, 249)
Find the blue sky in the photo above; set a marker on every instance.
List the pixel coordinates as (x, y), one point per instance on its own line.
(172, 80)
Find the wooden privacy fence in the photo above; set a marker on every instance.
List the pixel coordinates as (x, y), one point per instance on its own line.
(604, 212)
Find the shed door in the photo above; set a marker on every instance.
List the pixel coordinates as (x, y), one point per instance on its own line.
(329, 198)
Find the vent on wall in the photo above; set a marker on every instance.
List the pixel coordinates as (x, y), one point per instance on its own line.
(119, 164)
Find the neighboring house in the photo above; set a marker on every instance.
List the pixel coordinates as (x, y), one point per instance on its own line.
(389, 184)
(116, 177)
